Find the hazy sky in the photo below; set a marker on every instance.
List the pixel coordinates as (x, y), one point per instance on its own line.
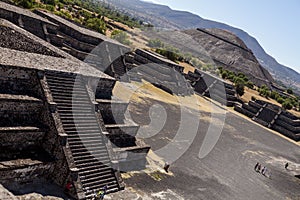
(274, 23)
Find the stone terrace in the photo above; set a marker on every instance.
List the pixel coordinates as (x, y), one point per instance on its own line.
(44, 129)
(273, 117)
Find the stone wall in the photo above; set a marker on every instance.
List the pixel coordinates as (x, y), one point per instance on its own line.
(212, 87)
(272, 116)
(24, 174)
(20, 138)
(27, 20)
(21, 81)
(157, 70)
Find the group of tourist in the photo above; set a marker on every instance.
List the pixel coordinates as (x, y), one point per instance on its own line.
(263, 170)
(96, 195)
(100, 194)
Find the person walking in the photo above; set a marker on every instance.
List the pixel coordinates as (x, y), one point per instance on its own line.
(166, 167)
(256, 166)
(286, 166)
(102, 192)
(263, 171)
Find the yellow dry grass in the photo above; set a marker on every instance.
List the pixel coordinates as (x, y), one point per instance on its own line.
(187, 68)
(249, 93)
(137, 92)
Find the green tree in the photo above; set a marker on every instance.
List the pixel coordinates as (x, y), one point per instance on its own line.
(240, 88)
(97, 25)
(25, 3)
(249, 84)
(50, 2)
(120, 36)
(287, 105)
(224, 74)
(156, 43)
(290, 91)
(280, 100)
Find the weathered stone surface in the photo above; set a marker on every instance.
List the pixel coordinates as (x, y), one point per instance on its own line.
(226, 48)
(273, 117)
(9, 38)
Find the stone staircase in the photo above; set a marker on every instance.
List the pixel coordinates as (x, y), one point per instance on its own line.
(85, 137)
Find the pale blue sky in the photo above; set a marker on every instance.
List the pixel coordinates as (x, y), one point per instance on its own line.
(274, 23)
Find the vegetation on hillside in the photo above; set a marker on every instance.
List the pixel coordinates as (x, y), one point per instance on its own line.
(287, 101)
(175, 55)
(120, 36)
(88, 13)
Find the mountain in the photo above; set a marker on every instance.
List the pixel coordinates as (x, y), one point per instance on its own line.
(164, 17)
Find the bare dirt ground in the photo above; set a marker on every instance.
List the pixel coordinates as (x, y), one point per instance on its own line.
(227, 172)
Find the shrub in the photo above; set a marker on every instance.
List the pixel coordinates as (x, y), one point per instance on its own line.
(25, 3)
(96, 24)
(249, 84)
(170, 52)
(224, 74)
(290, 91)
(155, 43)
(280, 100)
(287, 105)
(240, 88)
(231, 77)
(274, 95)
(120, 36)
(50, 2)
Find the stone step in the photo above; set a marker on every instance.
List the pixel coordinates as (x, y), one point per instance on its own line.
(77, 119)
(76, 115)
(81, 149)
(63, 81)
(91, 159)
(74, 100)
(81, 123)
(92, 145)
(71, 97)
(111, 180)
(68, 82)
(85, 141)
(99, 185)
(111, 189)
(62, 92)
(73, 105)
(67, 91)
(20, 129)
(84, 138)
(83, 133)
(73, 109)
(78, 123)
(81, 126)
(98, 179)
(97, 174)
(84, 153)
(94, 163)
(69, 85)
(61, 75)
(96, 156)
(74, 112)
(94, 170)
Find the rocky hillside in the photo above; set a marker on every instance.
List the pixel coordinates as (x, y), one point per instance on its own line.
(163, 16)
(216, 46)
(229, 51)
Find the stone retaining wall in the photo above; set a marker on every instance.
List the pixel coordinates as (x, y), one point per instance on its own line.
(272, 116)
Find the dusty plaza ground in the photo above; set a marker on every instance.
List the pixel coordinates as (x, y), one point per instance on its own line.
(227, 172)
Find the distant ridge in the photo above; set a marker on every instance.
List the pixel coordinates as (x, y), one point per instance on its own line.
(163, 16)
